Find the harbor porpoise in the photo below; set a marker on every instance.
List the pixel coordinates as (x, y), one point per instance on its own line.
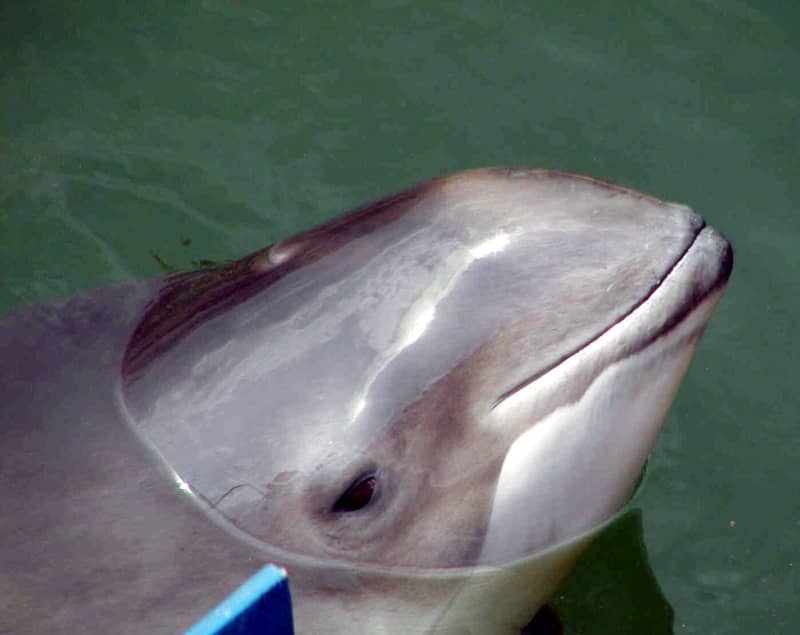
(424, 410)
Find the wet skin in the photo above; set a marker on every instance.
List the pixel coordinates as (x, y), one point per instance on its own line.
(423, 409)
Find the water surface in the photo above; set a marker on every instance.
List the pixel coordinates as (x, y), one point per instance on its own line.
(205, 130)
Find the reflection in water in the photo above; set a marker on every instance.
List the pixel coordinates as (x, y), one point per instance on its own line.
(419, 320)
(421, 313)
(491, 246)
(182, 485)
(612, 588)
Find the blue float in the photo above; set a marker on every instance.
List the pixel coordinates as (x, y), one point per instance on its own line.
(261, 605)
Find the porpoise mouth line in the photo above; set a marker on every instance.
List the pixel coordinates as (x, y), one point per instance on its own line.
(677, 317)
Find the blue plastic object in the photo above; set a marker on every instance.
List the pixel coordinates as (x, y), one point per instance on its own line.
(261, 605)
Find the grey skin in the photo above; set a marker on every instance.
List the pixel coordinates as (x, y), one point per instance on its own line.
(424, 410)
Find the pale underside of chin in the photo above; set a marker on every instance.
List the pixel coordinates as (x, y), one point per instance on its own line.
(576, 466)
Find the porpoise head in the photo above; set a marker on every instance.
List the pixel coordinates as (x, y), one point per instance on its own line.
(461, 375)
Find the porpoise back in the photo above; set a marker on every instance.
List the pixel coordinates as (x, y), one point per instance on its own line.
(424, 410)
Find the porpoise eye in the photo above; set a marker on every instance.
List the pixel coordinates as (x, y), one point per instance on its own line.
(358, 495)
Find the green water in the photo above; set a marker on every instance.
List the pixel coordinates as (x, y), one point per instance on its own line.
(209, 129)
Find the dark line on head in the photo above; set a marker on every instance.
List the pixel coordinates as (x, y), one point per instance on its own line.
(674, 320)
